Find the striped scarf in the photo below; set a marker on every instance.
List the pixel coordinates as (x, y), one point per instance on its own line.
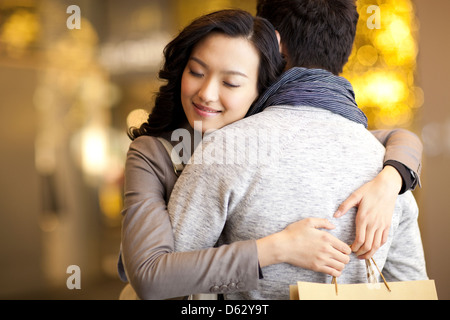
(314, 88)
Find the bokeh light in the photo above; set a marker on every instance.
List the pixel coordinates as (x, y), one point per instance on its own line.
(383, 64)
(19, 32)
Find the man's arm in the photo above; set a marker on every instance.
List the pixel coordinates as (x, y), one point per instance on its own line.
(405, 260)
(198, 204)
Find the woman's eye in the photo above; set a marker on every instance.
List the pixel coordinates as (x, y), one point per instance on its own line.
(230, 85)
(196, 74)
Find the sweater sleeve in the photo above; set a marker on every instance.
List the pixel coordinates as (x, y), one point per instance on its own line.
(403, 147)
(406, 259)
(199, 204)
(152, 267)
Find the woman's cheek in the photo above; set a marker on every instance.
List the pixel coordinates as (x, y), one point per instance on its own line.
(241, 104)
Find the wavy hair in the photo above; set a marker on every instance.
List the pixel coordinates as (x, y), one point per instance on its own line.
(168, 114)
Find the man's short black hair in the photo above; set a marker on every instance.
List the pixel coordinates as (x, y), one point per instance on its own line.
(314, 33)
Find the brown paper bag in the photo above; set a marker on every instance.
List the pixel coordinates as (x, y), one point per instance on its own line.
(405, 290)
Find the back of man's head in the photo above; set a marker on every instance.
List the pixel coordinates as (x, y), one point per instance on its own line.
(314, 33)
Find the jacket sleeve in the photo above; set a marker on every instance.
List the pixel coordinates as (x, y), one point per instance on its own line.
(404, 147)
(152, 267)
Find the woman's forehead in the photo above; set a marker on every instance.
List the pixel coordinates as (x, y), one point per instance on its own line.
(224, 52)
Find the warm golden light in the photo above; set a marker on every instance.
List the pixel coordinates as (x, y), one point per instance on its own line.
(383, 89)
(383, 63)
(94, 151)
(136, 118)
(186, 11)
(111, 203)
(19, 32)
(367, 55)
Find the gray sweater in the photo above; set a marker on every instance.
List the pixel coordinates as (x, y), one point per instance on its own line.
(247, 183)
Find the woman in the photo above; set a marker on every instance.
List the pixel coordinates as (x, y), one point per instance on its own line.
(230, 58)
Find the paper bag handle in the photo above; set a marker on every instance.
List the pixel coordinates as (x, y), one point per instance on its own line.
(334, 280)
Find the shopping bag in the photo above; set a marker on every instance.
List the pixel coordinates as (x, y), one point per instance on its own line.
(404, 290)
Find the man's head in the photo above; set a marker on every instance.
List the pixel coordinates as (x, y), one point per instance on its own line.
(314, 33)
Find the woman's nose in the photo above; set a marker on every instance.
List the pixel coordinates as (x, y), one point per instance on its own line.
(209, 91)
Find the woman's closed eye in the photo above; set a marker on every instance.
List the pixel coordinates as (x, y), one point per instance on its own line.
(196, 74)
(230, 85)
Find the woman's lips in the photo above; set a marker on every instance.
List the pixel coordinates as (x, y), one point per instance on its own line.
(205, 111)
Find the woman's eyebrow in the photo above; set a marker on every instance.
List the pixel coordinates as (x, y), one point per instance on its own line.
(228, 72)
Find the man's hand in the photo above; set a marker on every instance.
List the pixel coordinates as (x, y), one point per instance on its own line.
(376, 202)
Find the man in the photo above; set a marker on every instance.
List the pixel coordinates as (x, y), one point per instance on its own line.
(324, 154)
(304, 46)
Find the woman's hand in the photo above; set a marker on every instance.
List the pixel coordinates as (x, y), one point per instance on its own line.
(376, 202)
(303, 244)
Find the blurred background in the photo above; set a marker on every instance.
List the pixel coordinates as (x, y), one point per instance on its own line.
(69, 88)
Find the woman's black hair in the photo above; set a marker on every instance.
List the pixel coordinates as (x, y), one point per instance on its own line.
(168, 114)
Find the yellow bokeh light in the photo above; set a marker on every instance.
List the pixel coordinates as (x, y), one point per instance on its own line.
(395, 115)
(111, 202)
(383, 64)
(94, 151)
(367, 55)
(19, 32)
(399, 30)
(383, 89)
(136, 118)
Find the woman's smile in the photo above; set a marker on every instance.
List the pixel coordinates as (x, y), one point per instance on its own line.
(205, 111)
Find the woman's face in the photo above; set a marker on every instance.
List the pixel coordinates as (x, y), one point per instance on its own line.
(219, 83)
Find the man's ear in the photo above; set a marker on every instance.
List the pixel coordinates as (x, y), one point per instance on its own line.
(279, 39)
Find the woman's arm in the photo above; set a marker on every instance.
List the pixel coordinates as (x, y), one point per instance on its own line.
(403, 148)
(376, 199)
(152, 267)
